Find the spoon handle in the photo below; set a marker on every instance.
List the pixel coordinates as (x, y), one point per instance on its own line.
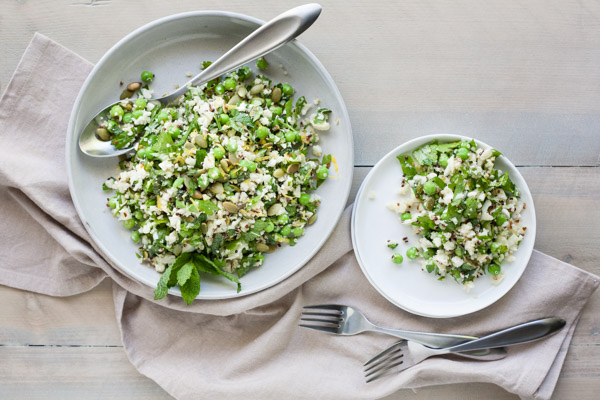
(265, 39)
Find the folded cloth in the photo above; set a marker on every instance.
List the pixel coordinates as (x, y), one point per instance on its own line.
(250, 346)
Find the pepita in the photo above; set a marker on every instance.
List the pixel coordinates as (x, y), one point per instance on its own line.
(262, 247)
(234, 100)
(217, 188)
(256, 89)
(275, 209)
(242, 92)
(133, 86)
(312, 219)
(197, 195)
(200, 140)
(276, 95)
(103, 134)
(125, 94)
(230, 207)
(278, 173)
(293, 168)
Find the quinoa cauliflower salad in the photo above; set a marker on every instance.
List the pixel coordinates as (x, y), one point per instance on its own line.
(219, 178)
(466, 213)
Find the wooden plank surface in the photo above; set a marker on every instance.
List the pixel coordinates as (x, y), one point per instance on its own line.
(522, 76)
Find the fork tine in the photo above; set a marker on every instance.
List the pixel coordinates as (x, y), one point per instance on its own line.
(384, 352)
(384, 372)
(334, 307)
(384, 364)
(322, 314)
(328, 329)
(325, 321)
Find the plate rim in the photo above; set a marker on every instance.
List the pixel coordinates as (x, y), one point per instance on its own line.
(343, 114)
(426, 139)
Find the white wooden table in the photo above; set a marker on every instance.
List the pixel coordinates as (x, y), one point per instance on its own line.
(521, 75)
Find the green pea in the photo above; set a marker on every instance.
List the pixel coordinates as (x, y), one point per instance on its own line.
(229, 83)
(219, 89)
(137, 113)
(214, 173)
(287, 90)
(248, 165)
(443, 160)
(232, 146)
(494, 269)
(174, 132)
(277, 110)
(286, 230)
(127, 117)
(412, 253)
(501, 219)
(147, 76)
(406, 216)
(129, 223)
(218, 152)
(138, 215)
(429, 188)
(304, 199)
(462, 153)
(322, 172)
(397, 258)
(270, 227)
(117, 112)
(283, 219)
(224, 119)
(203, 181)
(112, 203)
(135, 236)
(163, 115)
(261, 63)
(140, 103)
(465, 145)
(262, 132)
(112, 126)
(290, 136)
(298, 232)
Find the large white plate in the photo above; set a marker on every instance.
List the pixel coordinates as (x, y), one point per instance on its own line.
(406, 285)
(171, 47)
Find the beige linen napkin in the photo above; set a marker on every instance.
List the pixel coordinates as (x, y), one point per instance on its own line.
(250, 346)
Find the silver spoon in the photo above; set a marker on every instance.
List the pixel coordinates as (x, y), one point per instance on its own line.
(265, 39)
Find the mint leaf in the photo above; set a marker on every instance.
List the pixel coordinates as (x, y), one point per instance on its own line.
(407, 164)
(184, 273)
(162, 288)
(207, 206)
(190, 290)
(179, 262)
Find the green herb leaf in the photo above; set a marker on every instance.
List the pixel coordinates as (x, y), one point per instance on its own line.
(191, 289)
(207, 206)
(184, 273)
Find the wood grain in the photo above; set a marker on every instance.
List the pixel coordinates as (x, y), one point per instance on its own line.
(522, 76)
(518, 75)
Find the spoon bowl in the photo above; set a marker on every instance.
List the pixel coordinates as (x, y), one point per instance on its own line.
(268, 37)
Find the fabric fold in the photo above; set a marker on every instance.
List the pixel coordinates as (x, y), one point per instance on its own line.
(249, 346)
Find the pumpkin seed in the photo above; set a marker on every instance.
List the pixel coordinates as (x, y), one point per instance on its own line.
(275, 209)
(103, 134)
(256, 89)
(312, 219)
(234, 100)
(242, 92)
(278, 173)
(133, 86)
(293, 168)
(217, 188)
(271, 249)
(233, 159)
(200, 140)
(230, 207)
(177, 249)
(224, 164)
(128, 106)
(276, 95)
(197, 195)
(125, 94)
(262, 247)
(204, 227)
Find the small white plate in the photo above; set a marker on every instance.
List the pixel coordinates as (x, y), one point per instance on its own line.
(172, 47)
(406, 285)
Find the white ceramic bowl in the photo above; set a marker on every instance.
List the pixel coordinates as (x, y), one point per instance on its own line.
(406, 285)
(172, 47)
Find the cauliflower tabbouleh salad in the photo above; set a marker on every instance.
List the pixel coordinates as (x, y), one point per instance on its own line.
(219, 178)
(466, 213)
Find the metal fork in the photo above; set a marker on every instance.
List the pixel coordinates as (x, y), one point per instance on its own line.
(403, 355)
(346, 320)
